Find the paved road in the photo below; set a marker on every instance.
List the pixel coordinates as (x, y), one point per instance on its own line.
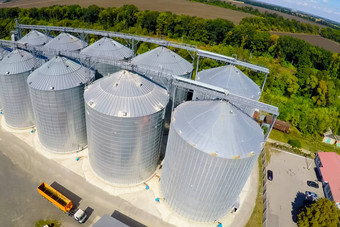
(20, 211)
(20, 203)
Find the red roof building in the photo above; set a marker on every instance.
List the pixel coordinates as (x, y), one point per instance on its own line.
(328, 165)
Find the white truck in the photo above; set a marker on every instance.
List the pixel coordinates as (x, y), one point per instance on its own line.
(80, 216)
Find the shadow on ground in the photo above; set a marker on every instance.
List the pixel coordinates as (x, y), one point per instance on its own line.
(298, 203)
(126, 220)
(70, 195)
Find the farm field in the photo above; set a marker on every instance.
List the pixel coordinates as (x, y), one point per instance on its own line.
(315, 40)
(175, 6)
(284, 15)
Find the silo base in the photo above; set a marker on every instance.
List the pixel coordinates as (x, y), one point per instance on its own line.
(13, 129)
(92, 176)
(39, 145)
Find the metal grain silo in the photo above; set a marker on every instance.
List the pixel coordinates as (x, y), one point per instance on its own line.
(4, 51)
(161, 59)
(14, 70)
(35, 38)
(65, 41)
(231, 78)
(56, 90)
(212, 148)
(124, 118)
(110, 49)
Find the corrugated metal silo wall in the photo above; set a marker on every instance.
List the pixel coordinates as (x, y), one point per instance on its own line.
(181, 95)
(200, 186)
(124, 150)
(105, 69)
(16, 101)
(60, 118)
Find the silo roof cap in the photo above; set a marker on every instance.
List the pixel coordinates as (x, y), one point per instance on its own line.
(35, 38)
(65, 41)
(108, 48)
(164, 60)
(218, 128)
(60, 73)
(126, 94)
(18, 61)
(232, 79)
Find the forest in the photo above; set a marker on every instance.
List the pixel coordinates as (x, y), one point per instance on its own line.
(304, 80)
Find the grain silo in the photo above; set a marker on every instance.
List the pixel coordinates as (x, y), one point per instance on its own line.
(212, 148)
(231, 78)
(4, 51)
(14, 70)
(124, 118)
(35, 38)
(65, 41)
(56, 90)
(109, 49)
(161, 59)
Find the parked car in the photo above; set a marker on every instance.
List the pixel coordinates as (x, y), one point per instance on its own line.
(270, 175)
(312, 184)
(80, 216)
(312, 196)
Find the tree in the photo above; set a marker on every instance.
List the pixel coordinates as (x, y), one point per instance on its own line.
(320, 213)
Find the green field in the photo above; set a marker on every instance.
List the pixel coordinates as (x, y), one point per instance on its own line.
(311, 143)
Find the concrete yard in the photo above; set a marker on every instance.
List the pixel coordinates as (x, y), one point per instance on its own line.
(285, 192)
(76, 180)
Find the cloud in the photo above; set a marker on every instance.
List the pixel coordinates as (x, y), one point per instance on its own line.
(325, 1)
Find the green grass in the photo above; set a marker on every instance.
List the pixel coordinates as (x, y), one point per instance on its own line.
(311, 143)
(41, 223)
(256, 217)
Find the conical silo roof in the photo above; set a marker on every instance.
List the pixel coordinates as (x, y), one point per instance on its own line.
(231, 78)
(59, 73)
(65, 41)
(106, 47)
(18, 61)
(35, 38)
(4, 51)
(164, 60)
(126, 94)
(217, 128)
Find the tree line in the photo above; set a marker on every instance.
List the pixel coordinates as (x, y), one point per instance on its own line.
(304, 80)
(273, 22)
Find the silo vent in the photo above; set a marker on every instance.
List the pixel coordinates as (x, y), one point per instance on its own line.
(7, 72)
(30, 83)
(51, 88)
(124, 114)
(251, 154)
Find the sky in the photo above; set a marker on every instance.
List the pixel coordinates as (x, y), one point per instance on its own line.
(329, 9)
